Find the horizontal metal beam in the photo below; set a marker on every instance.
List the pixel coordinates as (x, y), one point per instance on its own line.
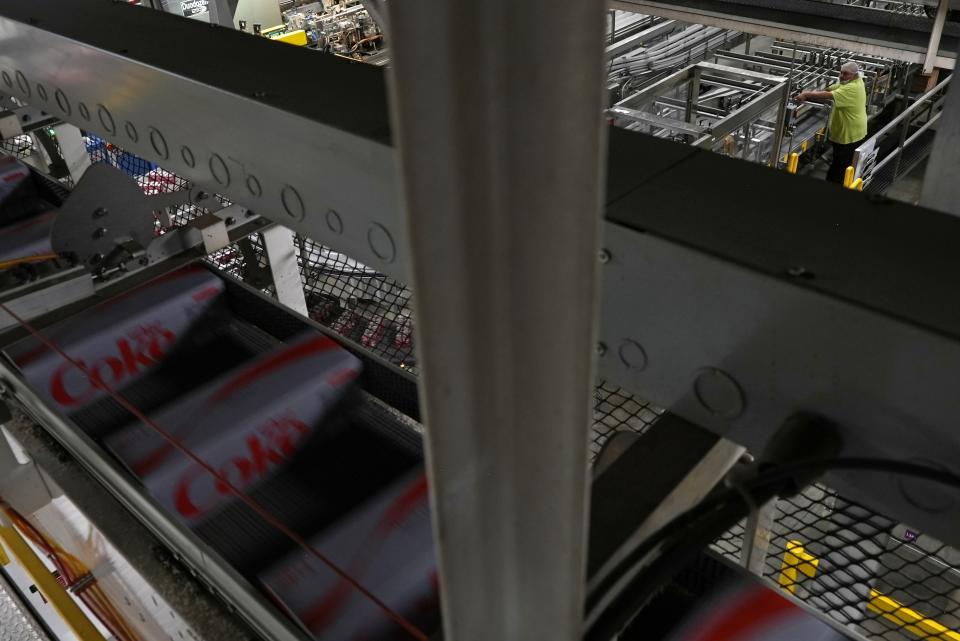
(735, 317)
(297, 152)
(658, 88)
(753, 109)
(886, 41)
(656, 121)
(641, 38)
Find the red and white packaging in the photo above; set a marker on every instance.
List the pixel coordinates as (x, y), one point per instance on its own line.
(27, 237)
(346, 322)
(386, 545)
(118, 341)
(245, 425)
(159, 181)
(375, 331)
(13, 173)
(404, 336)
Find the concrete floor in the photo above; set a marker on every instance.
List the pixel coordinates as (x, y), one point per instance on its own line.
(907, 188)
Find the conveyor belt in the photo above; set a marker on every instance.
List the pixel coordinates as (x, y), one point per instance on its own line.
(218, 344)
(326, 480)
(362, 448)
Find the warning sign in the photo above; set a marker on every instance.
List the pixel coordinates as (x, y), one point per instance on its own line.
(193, 7)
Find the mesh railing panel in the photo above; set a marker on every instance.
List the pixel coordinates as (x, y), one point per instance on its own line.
(617, 409)
(730, 543)
(866, 571)
(17, 146)
(357, 302)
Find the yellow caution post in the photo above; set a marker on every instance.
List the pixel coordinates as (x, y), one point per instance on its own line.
(298, 37)
(910, 619)
(796, 561)
(848, 177)
(794, 163)
(64, 605)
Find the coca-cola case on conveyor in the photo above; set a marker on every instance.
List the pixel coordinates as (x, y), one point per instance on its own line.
(19, 197)
(117, 342)
(245, 425)
(28, 237)
(385, 545)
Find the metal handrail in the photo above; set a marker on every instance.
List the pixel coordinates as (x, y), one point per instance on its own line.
(902, 120)
(906, 143)
(909, 110)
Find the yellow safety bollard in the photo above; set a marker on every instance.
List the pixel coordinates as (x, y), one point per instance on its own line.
(794, 163)
(848, 177)
(796, 561)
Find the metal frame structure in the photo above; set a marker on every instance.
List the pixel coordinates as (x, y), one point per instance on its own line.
(758, 316)
(764, 93)
(812, 68)
(818, 24)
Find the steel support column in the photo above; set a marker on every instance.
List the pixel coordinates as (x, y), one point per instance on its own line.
(281, 251)
(929, 61)
(757, 533)
(500, 152)
(941, 190)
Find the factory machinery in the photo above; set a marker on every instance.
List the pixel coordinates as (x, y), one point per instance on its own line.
(200, 455)
(724, 109)
(342, 28)
(121, 325)
(650, 95)
(644, 49)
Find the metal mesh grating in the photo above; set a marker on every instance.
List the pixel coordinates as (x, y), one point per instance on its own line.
(617, 409)
(17, 146)
(880, 578)
(357, 302)
(730, 542)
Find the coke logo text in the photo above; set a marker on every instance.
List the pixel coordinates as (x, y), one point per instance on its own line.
(72, 385)
(197, 491)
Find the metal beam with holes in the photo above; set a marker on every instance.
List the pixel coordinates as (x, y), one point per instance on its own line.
(299, 137)
(737, 311)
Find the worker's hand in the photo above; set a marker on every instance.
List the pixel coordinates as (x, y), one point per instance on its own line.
(801, 97)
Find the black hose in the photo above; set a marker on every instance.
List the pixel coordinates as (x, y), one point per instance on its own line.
(691, 531)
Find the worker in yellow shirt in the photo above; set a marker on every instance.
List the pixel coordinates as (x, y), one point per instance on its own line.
(848, 122)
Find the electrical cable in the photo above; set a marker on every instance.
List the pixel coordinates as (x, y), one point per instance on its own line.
(608, 613)
(262, 512)
(37, 258)
(75, 576)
